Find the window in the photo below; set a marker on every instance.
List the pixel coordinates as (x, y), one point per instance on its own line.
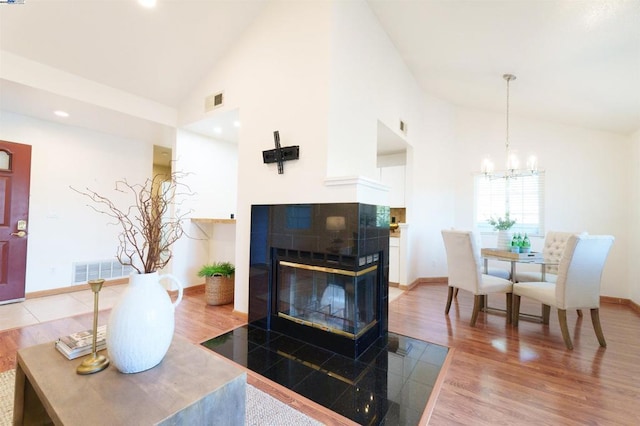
(5, 160)
(522, 197)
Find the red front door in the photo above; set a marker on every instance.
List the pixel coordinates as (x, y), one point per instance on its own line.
(15, 171)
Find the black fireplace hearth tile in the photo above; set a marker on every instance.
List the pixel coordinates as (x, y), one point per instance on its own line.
(425, 373)
(434, 354)
(321, 388)
(259, 335)
(376, 356)
(414, 396)
(348, 368)
(288, 372)
(226, 345)
(362, 406)
(377, 381)
(400, 415)
(313, 355)
(389, 384)
(261, 359)
(284, 344)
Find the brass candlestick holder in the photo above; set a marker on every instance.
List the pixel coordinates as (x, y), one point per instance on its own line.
(94, 362)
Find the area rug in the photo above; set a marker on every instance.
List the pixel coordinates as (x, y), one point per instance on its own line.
(262, 409)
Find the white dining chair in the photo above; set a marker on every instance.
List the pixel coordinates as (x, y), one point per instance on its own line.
(554, 244)
(465, 272)
(577, 285)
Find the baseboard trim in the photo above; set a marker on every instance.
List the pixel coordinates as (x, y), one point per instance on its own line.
(194, 289)
(244, 316)
(620, 301)
(424, 280)
(73, 288)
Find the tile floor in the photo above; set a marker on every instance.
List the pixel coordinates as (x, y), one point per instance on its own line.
(389, 384)
(40, 309)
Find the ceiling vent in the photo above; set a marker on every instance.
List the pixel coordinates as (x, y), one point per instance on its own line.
(214, 101)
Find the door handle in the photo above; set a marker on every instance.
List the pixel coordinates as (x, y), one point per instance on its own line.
(20, 234)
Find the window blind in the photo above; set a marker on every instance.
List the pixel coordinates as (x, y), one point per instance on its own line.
(522, 197)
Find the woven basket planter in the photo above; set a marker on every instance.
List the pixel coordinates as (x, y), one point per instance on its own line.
(219, 290)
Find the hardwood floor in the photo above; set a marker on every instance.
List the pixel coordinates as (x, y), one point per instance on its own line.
(498, 374)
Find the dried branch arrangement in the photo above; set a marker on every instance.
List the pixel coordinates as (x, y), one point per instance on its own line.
(148, 228)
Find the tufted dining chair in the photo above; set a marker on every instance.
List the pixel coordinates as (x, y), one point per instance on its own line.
(465, 272)
(577, 285)
(554, 244)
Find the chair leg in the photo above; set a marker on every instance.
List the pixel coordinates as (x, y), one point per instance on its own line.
(515, 308)
(546, 312)
(509, 308)
(477, 301)
(562, 318)
(449, 298)
(455, 293)
(579, 312)
(595, 319)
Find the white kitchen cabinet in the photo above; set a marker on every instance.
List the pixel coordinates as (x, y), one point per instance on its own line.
(394, 260)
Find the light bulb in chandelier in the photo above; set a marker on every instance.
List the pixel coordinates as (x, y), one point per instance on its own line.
(487, 166)
(513, 163)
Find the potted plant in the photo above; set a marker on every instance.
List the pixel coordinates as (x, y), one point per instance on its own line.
(503, 226)
(219, 287)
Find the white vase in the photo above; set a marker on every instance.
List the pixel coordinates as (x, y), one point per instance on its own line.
(504, 240)
(141, 324)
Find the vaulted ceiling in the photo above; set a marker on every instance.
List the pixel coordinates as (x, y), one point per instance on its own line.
(576, 62)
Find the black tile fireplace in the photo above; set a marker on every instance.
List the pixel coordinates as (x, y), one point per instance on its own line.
(319, 273)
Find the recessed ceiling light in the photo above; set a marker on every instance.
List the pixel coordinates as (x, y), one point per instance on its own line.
(147, 3)
(218, 130)
(61, 113)
(236, 123)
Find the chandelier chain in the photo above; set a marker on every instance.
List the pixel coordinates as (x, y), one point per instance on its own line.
(508, 77)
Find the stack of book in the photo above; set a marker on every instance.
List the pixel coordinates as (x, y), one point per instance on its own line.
(81, 343)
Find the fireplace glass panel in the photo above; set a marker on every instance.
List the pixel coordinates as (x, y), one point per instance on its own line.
(339, 301)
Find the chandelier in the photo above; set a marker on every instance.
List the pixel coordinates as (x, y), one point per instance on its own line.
(512, 164)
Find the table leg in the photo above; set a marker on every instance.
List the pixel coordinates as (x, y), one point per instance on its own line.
(27, 407)
(18, 398)
(546, 311)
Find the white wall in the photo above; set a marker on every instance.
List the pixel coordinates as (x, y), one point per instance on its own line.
(211, 168)
(431, 200)
(62, 229)
(587, 178)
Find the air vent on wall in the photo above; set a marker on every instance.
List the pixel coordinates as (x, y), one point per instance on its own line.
(107, 269)
(213, 101)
